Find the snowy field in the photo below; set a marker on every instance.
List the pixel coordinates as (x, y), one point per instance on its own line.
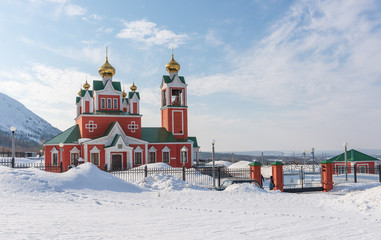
(86, 203)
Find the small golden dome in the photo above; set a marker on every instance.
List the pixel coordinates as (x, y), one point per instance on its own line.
(124, 94)
(172, 66)
(80, 92)
(133, 87)
(106, 70)
(86, 85)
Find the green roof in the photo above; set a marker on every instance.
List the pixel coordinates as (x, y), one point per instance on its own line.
(98, 85)
(194, 140)
(131, 94)
(83, 92)
(77, 99)
(168, 79)
(152, 134)
(353, 156)
(70, 135)
(255, 163)
(277, 163)
(114, 141)
(112, 124)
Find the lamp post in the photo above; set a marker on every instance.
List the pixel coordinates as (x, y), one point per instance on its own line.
(345, 144)
(61, 150)
(313, 159)
(213, 166)
(183, 150)
(304, 154)
(41, 156)
(13, 130)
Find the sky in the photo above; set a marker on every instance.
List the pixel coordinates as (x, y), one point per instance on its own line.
(261, 75)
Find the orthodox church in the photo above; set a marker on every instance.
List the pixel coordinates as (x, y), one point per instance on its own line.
(108, 130)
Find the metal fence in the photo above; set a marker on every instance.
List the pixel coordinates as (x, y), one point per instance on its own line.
(200, 176)
(358, 175)
(42, 166)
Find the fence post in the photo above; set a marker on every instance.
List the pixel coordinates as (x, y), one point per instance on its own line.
(61, 168)
(355, 173)
(255, 172)
(145, 171)
(183, 173)
(13, 162)
(219, 176)
(277, 173)
(327, 175)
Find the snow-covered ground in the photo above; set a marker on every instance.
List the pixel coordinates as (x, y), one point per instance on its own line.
(86, 203)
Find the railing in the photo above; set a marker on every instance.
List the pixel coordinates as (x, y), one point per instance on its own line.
(201, 176)
(359, 174)
(40, 165)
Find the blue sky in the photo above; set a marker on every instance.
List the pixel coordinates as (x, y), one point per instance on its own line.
(262, 75)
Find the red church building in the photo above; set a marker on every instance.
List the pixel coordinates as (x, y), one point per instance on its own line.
(108, 130)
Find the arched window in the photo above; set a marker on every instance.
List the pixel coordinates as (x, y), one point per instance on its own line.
(94, 155)
(166, 155)
(152, 155)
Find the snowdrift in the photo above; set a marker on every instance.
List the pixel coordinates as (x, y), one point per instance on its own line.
(240, 164)
(244, 187)
(165, 182)
(86, 176)
(220, 163)
(155, 166)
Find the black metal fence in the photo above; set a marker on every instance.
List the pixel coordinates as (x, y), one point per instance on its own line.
(200, 176)
(40, 165)
(358, 174)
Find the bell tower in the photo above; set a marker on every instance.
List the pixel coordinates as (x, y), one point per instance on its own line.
(174, 109)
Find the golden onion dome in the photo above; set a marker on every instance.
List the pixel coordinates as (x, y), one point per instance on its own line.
(172, 66)
(133, 87)
(106, 70)
(80, 92)
(124, 94)
(86, 85)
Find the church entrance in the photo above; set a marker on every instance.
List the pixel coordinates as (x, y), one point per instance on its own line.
(116, 162)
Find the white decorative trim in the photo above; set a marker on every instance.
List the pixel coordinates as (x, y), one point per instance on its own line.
(165, 149)
(152, 149)
(74, 150)
(138, 149)
(95, 150)
(91, 126)
(52, 152)
(182, 122)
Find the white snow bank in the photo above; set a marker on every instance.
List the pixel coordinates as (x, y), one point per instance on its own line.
(244, 187)
(220, 163)
(367, 200)
(86, 176)
(240, 164)
(165, 182)
(155, 165)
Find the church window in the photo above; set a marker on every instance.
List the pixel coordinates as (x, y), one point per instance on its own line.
(184, 156)
(164, 98)
(109, 103)
(115, 103)
(103, 103)
(95, 158)
(177, 96)
(73, 158)
(152, 157)
(165, 157)
(55, 159)
(138, 158)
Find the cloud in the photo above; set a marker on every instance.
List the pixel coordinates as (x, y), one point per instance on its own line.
(316, 75)
(150, 34)
(74, 10)
(212, 39)
(37, 87)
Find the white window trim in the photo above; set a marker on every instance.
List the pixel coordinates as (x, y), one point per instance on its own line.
(97, 151)
(115, 103)
(138, 149)
(54, 151)
(109, 106)
(103, 103)
(166, 150)
(149, 156)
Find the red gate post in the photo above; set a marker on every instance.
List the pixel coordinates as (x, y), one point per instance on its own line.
(327, 175)
(277, 172)
(255, 172)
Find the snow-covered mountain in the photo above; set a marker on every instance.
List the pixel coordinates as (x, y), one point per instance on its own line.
(31, 129)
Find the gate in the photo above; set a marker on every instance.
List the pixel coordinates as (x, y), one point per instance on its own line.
(302, 178)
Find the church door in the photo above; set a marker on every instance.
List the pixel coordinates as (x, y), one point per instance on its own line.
(116, 162)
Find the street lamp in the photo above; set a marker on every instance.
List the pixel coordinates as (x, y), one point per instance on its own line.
(345, 144)
(213, 166)
(183, 150)
(313, 159)
(61, 149)
(13, 130)
(304, 154)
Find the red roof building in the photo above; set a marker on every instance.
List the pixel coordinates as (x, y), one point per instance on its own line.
(108, 130)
